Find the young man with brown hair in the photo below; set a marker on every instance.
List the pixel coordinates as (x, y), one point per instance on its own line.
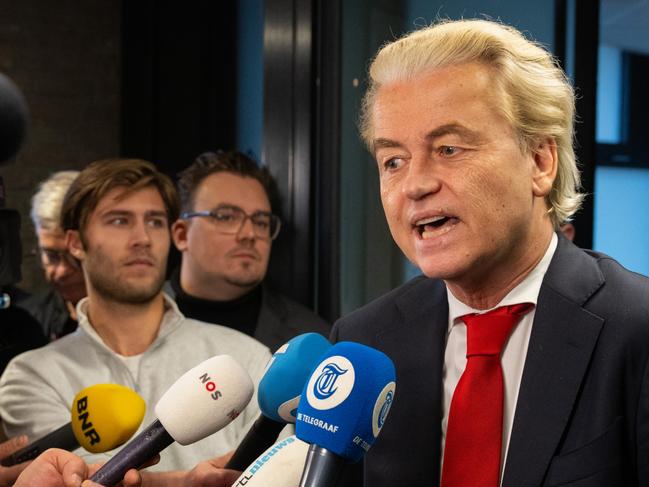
(117, 215)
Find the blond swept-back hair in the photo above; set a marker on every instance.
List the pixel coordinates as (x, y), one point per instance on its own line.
(536, 97)
(47, 201)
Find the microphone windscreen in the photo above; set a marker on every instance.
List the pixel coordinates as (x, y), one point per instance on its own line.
(346, 400)
(291, 366)
(205, 399)
(280, 465)
(105, 416)
(13, 118)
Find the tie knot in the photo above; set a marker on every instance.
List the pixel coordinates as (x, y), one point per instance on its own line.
(487, 332)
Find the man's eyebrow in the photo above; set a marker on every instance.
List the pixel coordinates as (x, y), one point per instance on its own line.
(383, 143)
(121, 212)
(466, 134)
(116, 212)
(158, 213)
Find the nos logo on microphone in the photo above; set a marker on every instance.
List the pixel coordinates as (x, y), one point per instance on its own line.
(382, 407)
(331, 383)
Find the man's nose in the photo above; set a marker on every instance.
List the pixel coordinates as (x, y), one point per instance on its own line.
(141, 234)
(247, 230)
(422, 178)
(64, 267)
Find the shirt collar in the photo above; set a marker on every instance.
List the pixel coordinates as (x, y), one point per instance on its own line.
(171, 320)
(527, 291)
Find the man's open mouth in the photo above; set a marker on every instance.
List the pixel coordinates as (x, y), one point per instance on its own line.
(427, 227)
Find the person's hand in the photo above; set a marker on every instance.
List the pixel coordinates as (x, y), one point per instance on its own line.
(211, 473)
(60, 468)
(8, 475)
(54, 468)
(132, 478)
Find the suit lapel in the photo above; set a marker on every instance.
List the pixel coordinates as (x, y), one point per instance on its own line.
(421, 342)
(563, 337)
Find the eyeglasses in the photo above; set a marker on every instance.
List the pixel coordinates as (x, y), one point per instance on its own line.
(56, 257)
(230, 220)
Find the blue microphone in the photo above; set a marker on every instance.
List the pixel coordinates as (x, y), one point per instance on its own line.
(279, 394)
(343, 408)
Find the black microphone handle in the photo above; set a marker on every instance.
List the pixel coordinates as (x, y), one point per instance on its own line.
(62, 437)
(261, 436)
(143, 447)
(322, 468)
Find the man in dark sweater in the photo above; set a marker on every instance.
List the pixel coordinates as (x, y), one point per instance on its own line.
(225, 235)
(54, 308)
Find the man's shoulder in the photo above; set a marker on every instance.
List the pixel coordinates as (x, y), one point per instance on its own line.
(600, 286)
(389, 307)
(223, 336)
(48, 308)
(50, 358)
(595, 276)
(287, 309)
(612, 269)
(41, 298)
(623, 292)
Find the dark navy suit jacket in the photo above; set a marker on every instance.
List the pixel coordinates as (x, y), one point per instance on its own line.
(582, 416)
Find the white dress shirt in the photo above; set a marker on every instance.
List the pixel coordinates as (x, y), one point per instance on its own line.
(514, 352)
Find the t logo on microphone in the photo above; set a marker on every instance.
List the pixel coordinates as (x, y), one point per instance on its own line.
(382, 407)
(210, 386)
(325, 384)
(331, 383)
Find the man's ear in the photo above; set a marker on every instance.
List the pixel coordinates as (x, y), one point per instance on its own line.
(179, 234)
(74, 244)
(546, 163)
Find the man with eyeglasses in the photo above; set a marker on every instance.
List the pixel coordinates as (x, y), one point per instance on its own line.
(54, 308)
(225, 234)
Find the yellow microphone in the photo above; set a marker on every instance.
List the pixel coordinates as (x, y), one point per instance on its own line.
(103, 417)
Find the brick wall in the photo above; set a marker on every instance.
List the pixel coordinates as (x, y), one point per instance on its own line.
(65, 57)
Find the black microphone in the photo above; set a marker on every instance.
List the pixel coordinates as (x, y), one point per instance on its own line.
(279, 394)
(103, 417)
(193, 408)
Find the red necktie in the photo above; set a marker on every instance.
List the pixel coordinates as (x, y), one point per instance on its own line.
(475, 424)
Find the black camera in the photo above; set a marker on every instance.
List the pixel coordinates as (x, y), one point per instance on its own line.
(13, 123)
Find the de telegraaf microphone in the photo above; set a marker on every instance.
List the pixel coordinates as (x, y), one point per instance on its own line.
(279, 394)
(343, 408)
(204, 400)
(103, 417)
(279, 466)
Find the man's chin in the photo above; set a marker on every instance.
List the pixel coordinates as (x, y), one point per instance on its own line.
(72, 296)
(129, 292)
(246, 282)
(136, 295)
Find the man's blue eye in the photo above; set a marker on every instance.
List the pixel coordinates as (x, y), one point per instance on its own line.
(392, 163)
(449, 150)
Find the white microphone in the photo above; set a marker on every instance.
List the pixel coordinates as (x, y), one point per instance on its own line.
(279, 466)
(201, 402)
